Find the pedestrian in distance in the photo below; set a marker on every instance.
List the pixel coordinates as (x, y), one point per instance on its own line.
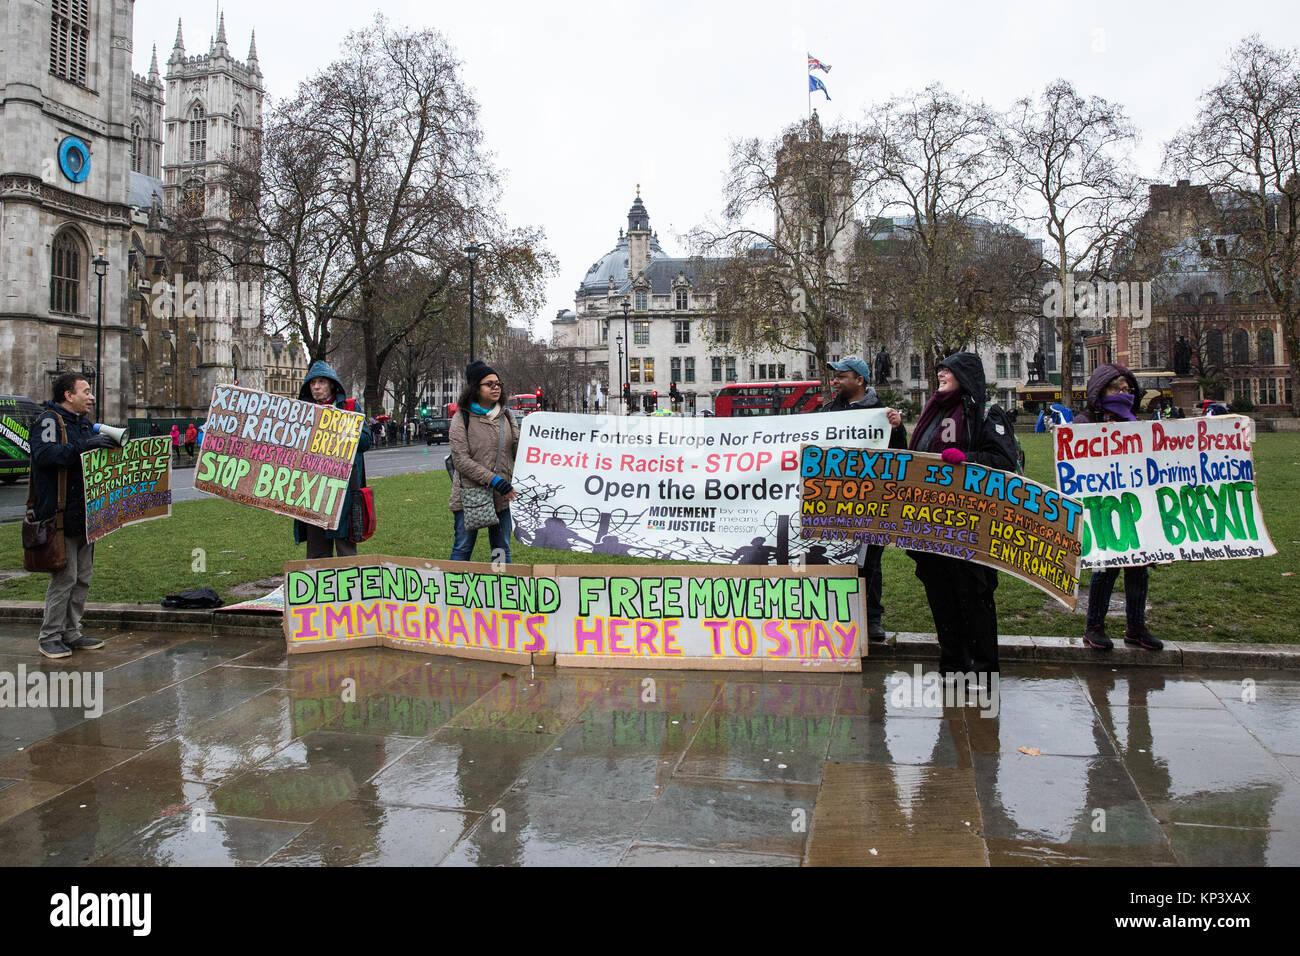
(58, 436)
(954, 424)
(851, 383)
(484, 438)
(1112, 390)
(176, 443)
(191, 435)
(323, 386)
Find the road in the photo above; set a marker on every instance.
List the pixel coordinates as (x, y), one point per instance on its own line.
(397, 460)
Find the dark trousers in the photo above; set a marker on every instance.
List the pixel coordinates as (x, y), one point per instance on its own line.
(319, 546)
(1135, 596)
(874, 581)
(965, 615)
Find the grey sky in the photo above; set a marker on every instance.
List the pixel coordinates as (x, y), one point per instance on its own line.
(582, 101)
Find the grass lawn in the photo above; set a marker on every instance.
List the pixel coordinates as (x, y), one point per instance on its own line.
(1254, 601)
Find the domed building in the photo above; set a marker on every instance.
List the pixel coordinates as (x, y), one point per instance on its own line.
(652, 307)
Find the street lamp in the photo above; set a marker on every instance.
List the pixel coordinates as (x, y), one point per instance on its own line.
(626, 306)
(472, 251)
(622, 397)
(101, 270)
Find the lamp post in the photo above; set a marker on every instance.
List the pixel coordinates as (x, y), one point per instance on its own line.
(621, 397)
(472, 251)
(626, 306)
(101, 270)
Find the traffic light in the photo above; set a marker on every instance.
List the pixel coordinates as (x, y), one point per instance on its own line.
(627, 394)
(540, 402)
(674, 396)
(424, 411)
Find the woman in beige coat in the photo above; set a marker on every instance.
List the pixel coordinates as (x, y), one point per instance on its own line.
(484, 437)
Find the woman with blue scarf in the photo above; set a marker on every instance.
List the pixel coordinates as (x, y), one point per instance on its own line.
(484, 437)
(1112, 397)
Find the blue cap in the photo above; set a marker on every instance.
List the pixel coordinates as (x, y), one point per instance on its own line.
(855, 364)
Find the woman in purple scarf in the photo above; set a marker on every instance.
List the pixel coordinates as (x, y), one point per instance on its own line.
(1112, 397)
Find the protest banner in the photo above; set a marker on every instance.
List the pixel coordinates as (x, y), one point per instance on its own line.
(279, 454)
(127, 485)
(966, 511)
(585, 615)
(1157, 492)
(689, 489)
(272, 603)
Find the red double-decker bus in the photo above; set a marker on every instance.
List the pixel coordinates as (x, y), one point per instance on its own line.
(767, 398)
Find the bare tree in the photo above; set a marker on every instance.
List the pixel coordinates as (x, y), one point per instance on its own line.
(1245, 143)
(783, 285)
(1069, 157)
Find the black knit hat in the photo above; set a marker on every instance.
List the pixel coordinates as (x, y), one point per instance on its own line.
(476, 371)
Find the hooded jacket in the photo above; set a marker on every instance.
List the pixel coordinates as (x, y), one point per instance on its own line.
(321, 369)
(49, 456)
(1102, 376)
(987, 439)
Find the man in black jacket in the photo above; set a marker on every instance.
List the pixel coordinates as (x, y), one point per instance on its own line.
(853, 390)
(65, 598)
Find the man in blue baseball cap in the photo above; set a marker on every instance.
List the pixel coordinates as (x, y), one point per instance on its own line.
(852, 385)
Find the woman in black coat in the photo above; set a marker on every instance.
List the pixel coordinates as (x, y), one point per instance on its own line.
(954, 424)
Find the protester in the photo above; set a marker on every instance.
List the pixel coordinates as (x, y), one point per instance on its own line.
(54, 455)
(322, 386)
(191, 434)
(955, 425)
(484, 438)
(176, 443)
(852, 385)
(1111, 394)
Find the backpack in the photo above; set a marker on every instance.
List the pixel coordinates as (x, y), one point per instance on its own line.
(1004, 429)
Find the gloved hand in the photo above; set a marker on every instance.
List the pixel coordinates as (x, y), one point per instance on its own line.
(953, 456)
(501, 486)
(99, 441)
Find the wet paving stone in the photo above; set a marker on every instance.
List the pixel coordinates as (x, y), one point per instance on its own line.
(1262, 686)
(759, 747)
(20, 795)
(1146, 688)
(757, 817)
(1082, 802)
(1274, 722)
(169, 665)
(545, 703)
(538, 829)
(159, 716)
(643, 855)
(1062, 723)
(361, 833)
(271, 654)
(180, 840)
(310, 775)
(1233, 846)
(53, 762)
(459, 769)
(1028, 853)
(901, 740)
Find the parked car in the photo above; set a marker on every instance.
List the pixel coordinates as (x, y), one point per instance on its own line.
(436, 430)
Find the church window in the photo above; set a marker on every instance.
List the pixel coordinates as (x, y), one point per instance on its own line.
(137, 147)
(235, 131)
(198, 134)
(66, 262)
(69, 39)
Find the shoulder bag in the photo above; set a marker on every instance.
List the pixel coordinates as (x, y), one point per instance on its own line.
(477, 501)
(44, 547)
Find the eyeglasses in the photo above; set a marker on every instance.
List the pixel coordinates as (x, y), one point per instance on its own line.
(490, 384)
(1111, 389)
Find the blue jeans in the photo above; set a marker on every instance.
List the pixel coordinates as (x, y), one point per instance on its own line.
(498, 537)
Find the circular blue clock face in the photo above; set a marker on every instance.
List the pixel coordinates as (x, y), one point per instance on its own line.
(74, 159)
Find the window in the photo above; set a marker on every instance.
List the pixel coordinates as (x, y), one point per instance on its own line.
(1268, 391)
(722, 332)
(649, 370)
(1214, 348)
(198, 134)
(916, 367)
(634, 370)
(604, 332)
(640, 296)
(69, 39)
(717, 370)
(66, 263)
(137, 148)
(640, 333)
(683, 299)
(690, 370)
(1264, 338)
(676, 366)
(1014, 365)
(1240, 347)
(234, 133)
(1002, 365)
(731, 369)
(682, 333)
(1241, 389)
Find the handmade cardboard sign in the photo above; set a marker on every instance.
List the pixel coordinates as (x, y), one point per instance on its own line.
(1156, 492)
(279, 454)
(586, 615)
(689, 489)
(126, 485)
(970, 512)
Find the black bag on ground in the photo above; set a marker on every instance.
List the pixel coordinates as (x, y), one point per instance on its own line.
(200, 598)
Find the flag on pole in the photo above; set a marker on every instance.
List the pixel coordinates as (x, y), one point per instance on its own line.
(816, 64)
(815, 84)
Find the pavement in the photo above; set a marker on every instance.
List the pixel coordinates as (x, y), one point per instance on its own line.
(221, 750)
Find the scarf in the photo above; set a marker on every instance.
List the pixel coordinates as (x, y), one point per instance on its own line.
(489, 413)
(1120, 405)
(928, 435)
